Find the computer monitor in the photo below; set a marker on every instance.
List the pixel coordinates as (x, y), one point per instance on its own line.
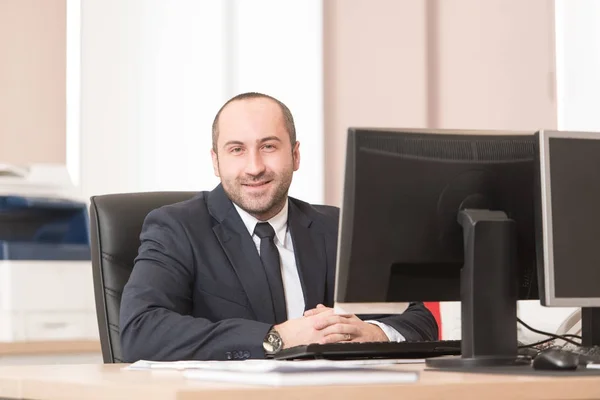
(569, 225)
(432, 215)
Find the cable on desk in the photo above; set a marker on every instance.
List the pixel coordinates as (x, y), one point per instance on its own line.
(552, 336)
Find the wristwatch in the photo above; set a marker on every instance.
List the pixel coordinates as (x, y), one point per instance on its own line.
(272, 342)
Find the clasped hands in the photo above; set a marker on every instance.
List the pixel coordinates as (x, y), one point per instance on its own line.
(322, 325)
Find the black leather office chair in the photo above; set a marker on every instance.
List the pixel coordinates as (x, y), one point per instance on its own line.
(115, 225)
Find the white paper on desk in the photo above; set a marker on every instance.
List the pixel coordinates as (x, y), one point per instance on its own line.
(259, 365)
(300, 373)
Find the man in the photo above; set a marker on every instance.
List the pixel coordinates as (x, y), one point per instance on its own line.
(234, 271)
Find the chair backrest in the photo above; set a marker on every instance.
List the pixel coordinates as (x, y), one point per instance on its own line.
(115, 224)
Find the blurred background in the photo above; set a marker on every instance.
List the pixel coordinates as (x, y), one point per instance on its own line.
(107, 96)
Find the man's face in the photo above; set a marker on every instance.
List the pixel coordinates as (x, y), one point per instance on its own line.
(255, 159)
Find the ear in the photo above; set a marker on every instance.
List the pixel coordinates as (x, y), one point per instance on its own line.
(215, 162)
(296, 156)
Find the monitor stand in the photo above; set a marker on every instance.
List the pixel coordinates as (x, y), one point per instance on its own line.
(488, 293)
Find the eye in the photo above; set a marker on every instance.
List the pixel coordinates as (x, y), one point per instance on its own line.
(235, 150)
(269, 147)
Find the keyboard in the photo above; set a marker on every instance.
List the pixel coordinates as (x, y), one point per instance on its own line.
(371, 350)
(586, 354)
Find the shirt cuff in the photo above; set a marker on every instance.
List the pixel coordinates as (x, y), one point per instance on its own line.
(392, 334)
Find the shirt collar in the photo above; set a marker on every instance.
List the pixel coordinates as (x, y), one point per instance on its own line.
(278, 222)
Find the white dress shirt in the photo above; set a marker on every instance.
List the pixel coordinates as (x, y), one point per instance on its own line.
(294, 296)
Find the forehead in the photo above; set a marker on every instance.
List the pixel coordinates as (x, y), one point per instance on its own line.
(251, 119)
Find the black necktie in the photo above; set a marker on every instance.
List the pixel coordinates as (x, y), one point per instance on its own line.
(270, 259)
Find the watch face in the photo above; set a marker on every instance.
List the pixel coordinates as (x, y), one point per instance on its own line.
(272, 343)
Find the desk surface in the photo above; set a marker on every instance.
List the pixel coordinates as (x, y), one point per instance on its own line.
(109, 381)
(49, 347)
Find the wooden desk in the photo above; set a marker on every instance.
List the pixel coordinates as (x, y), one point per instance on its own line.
(49, 347)
(109, 382)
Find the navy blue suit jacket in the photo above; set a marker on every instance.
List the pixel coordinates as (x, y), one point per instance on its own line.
(198, 289)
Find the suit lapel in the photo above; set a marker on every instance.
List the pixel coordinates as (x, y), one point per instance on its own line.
(241, 252)
(309, 251)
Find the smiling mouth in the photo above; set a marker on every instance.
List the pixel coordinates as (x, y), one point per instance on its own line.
(256, 184)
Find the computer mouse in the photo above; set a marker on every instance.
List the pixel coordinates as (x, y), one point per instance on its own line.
(555, 359)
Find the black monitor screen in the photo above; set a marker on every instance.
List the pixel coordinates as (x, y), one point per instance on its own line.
(575, 204)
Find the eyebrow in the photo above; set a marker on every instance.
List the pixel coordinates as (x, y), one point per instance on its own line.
(233, 142)
(238, 143)
(268, 138)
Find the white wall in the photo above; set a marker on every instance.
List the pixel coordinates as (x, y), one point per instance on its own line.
(73, 90)
(154, 73)
(578, 64)
(276, 48)
(32, 81)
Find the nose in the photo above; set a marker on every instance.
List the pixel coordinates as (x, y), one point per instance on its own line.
(255, 165)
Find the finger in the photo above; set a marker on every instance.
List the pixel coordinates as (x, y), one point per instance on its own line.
(327, 320)
(346, 315)
(335, 338)
(318, 310)
(344, 329)
(313, 311)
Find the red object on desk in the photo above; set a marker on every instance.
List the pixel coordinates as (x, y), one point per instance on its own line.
(434, 307)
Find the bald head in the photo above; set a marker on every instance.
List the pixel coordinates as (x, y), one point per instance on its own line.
(285, 114)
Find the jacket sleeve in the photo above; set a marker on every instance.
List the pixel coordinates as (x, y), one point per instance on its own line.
(156, 321)
(417, 323)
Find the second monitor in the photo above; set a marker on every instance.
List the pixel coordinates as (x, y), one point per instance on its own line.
(429, 214)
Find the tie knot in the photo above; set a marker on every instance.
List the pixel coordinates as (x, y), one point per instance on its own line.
(264, 230)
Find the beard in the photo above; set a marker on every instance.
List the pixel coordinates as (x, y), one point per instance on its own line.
(263, 204)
